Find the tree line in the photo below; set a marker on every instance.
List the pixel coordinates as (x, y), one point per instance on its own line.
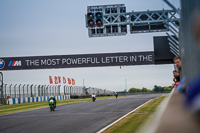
(156, 89)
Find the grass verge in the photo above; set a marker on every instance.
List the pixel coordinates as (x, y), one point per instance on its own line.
(8, 109)
(134, 121)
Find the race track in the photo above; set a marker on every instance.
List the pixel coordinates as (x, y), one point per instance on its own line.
(84, 117)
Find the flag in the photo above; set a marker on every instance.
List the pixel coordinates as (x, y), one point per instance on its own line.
(56, 80)
(73, 82)
(50, 80)
(59, 79)
(64, 80)
(69, 81)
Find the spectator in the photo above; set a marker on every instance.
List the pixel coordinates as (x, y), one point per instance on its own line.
(177, 62)
(176, 76)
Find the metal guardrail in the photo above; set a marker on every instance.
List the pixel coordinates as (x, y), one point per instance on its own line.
(33, 90)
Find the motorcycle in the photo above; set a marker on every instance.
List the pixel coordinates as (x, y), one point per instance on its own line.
(93, 99)
(51, 104)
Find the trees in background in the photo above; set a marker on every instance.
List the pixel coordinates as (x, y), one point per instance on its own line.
(156, 89)
(161, 89)
(136, 90)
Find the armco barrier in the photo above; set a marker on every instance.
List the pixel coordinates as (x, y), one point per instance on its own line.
(34, 99)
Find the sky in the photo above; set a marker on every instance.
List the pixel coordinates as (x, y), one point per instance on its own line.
(57, 27)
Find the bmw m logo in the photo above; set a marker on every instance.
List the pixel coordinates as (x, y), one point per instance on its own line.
(2, 64)
(15, 63)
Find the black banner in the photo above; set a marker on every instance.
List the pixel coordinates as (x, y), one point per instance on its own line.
(82, 60)
(162, 52)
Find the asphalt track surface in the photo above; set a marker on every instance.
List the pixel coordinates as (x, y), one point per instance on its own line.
(84, 117)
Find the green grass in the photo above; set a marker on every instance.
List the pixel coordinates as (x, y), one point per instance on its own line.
(134, 121)
(7, 109)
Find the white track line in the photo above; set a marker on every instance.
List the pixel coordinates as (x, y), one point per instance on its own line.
(121, 118)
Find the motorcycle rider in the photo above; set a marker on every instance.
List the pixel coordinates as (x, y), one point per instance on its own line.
(116, 94)
(93, 96)
(52, 98)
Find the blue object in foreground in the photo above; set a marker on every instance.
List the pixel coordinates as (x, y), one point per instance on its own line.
(193, 93)
(180, 87)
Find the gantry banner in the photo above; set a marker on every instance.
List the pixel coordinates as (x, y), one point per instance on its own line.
(73, 61)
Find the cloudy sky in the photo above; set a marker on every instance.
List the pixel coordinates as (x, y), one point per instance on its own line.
(57, 27)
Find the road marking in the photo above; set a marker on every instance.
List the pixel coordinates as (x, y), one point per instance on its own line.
(122, 117)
